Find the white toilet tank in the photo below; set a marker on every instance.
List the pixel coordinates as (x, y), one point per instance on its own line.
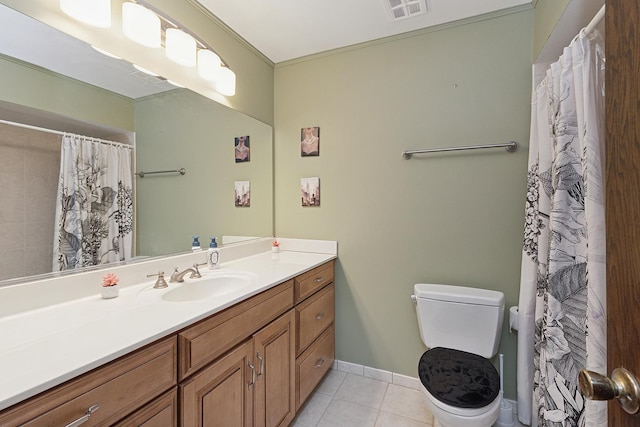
(461, 318)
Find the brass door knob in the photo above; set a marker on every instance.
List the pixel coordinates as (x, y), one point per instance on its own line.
(622, 386)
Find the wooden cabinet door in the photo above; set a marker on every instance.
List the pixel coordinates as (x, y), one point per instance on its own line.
(222, 394)
(274, 359)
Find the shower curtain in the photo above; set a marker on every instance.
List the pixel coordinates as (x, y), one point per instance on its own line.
(94, 212)
(562, 317)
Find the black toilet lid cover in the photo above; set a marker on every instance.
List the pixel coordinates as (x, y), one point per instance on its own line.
(458, 378)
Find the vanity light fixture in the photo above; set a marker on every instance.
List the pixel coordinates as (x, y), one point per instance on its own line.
(180, 47)
(96, 13)
(209, 65)
(141, 25)
(147, 25)
(226, 82)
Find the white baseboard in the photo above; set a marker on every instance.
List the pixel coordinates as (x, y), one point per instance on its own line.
(377, 374)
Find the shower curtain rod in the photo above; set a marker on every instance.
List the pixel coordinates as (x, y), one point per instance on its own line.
(595, 21)
(57, 132)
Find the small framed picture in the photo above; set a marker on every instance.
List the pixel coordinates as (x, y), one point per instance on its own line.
(243, 194)
(242, 149)
(310, 142)
(310, 191)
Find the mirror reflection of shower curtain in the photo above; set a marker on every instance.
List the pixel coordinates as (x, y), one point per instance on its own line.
(94, 211)
(562, 313)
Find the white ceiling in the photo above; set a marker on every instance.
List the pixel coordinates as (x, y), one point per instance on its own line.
(289, 29)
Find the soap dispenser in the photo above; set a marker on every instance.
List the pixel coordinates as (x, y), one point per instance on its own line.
(213, 255)
(195, 245)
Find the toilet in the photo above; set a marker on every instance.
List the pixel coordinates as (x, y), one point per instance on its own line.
(461, 326)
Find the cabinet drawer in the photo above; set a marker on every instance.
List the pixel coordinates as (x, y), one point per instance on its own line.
(118, 388)
(313, 364)
(314, 280)
(209, 339)
(313, 316)
(161, 412)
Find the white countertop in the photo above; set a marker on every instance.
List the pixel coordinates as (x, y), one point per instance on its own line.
(47, 346)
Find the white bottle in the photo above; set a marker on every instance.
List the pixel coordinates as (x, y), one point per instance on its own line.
(213, 255)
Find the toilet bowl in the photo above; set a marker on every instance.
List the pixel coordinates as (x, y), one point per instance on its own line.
(451, 416)
(462, 327)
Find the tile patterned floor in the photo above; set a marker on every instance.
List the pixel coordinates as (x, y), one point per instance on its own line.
(345, 399)
(349, 400)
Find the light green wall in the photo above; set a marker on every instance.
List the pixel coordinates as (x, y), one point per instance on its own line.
(547, 14)
(41, 89)
(443, 218)
(183, 129)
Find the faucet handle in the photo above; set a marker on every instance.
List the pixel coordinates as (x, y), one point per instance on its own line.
(160, 282)
(197, 274)
(174, 275)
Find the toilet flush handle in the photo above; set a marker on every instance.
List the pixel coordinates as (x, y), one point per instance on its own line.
(414, 299)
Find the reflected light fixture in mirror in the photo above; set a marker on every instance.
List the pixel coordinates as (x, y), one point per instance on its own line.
(96, 13)
(144, 70)
(175, 84)
(104, 52)
(209, 65)
(180, 47)
(141, 25)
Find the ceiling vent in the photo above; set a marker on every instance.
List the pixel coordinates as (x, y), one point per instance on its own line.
(402, 9)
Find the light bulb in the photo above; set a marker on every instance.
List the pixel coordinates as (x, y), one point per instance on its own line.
(96, 13)
(180, 47)
(141, 25)
(226, 83)
(208, 65)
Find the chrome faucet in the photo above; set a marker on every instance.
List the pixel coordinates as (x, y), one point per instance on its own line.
(179, 277)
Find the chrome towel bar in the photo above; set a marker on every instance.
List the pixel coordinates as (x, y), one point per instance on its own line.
(511, 147)
(142, 174)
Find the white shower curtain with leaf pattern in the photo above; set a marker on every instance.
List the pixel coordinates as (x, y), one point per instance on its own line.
(94, 213)
(562, 317)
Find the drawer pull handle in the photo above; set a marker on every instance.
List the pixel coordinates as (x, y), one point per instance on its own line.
(319, 279)
(319, 316)
(253, 374)
(261, 359)
(320, 362)
(83, 419)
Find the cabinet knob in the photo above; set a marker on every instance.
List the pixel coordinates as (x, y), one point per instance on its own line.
(261, 359)
(319, 316)
(83, 419)
(319, 279)
(320, 362)
(253, 374)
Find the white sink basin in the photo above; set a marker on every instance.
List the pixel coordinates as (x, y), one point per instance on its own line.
(209, 286)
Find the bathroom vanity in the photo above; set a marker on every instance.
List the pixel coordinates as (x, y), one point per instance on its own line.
(241, 360)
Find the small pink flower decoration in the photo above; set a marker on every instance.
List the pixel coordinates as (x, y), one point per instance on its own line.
(276, 243)
(110, 280)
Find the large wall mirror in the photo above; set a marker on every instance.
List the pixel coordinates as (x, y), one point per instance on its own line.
(171, 128)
